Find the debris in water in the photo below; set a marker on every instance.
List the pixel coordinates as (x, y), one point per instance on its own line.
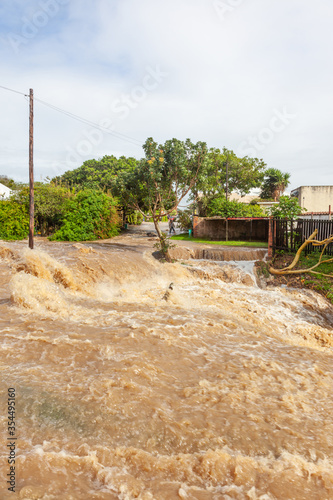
(167, 293)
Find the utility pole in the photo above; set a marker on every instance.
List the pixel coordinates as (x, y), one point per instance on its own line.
(226, 197)
(31, 171)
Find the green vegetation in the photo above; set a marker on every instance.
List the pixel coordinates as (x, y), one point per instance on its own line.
(163, 178)
(66, 215)
(318, 282)
(14, 220)
(99, 174)
(102, 175)
(184, 219)
(288, 208)
(50, 203)
(81, 204)
(135, 218)
(186, 237)
(223, 208)
(243, 175)
(89, 215)
(275, 182)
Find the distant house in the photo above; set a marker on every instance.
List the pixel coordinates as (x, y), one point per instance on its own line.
(314, 198)
(247, 198)
(5, 192)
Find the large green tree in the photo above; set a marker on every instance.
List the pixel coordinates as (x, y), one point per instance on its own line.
(275, 182)
(227, 173)
(97, 174)
(163, 177)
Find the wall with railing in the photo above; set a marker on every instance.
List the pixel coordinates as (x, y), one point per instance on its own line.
(288, 235)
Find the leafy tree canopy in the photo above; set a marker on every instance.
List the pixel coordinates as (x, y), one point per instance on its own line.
(164, 177)
(97, 174)
(243, 175)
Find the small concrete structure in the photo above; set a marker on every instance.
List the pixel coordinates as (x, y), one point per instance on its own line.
(5, 192)
(314, 198)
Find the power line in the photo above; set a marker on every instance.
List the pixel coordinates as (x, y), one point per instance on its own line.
(12, 90)
(118, 135)
(92, 124)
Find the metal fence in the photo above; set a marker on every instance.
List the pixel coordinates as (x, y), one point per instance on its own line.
(288, 235)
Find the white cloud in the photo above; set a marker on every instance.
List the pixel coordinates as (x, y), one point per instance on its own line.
(226, 76)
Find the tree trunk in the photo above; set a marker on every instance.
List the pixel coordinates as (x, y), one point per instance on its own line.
(157, 227)
(163, 243)
(276, 194)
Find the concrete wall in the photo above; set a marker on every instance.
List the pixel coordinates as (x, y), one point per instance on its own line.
(239, 229)
(314, 198)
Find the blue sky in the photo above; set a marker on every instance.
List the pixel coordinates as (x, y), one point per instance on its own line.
(251, 75)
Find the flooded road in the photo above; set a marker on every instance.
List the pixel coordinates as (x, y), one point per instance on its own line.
(136, 379)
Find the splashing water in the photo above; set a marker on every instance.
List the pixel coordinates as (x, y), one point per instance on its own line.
(130, 387)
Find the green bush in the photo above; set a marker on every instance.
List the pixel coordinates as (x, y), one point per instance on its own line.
(88, 215)
(223, 208)
(49, 202)
(287, 208)
(14, 220)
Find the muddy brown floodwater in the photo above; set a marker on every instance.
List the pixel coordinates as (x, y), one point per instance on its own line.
(222, 391)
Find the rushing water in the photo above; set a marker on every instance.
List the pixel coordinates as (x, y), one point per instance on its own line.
(130, 387)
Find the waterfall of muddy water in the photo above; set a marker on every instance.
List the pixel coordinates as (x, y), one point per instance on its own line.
(220, 391)
(230, 271)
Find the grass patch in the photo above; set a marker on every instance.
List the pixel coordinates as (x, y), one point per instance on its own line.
(312, 259)
(318, 282)
(185, 237)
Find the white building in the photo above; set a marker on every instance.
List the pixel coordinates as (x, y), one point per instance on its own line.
(5, 192)
(315, 198)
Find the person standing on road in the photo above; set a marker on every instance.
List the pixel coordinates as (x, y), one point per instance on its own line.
(171, 226)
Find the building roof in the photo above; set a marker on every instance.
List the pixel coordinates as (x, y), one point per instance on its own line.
(243, 199)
